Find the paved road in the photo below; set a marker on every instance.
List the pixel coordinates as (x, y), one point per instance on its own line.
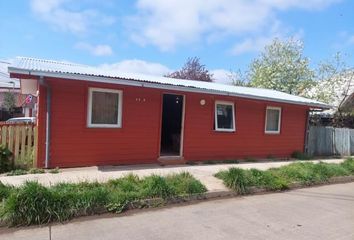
(325, 212)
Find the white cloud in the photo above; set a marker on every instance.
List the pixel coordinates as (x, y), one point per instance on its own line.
(258, 42)
(137, 66)
(222, 76)
(96, 50)
(58, 14)
(250, 45)
(166, 24)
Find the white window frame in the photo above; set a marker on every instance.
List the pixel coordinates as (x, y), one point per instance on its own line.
(89, 108)
(266, 119)
(232, 104)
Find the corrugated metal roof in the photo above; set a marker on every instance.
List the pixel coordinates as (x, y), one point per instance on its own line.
(40, 67)
(5, 80)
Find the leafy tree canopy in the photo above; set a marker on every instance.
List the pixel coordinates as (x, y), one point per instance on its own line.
(9, 101)
(193, 70)
(283, 67)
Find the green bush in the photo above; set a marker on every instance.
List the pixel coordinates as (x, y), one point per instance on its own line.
(348, 164)
(5, 191)
(17, 172)
(25, 161)
(54, 170)
(36, 171)
(5, 159)
(300, 155)
(231, 161)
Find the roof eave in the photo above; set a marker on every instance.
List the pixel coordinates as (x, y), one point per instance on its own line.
(142, 83)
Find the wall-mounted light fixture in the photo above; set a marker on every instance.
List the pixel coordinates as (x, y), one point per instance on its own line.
(202, 102)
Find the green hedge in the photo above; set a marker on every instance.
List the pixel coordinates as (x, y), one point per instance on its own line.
(33, 203)
(305, 173)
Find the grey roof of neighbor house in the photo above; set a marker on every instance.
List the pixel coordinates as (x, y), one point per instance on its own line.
(67, 70)
(5, 80)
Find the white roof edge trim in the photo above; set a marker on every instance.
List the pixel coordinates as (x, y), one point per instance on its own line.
(141, 83)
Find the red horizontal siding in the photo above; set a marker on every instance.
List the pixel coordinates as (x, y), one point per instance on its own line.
(73, 144)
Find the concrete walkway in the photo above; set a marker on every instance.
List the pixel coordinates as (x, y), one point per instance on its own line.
(102, 174)
(323, 213)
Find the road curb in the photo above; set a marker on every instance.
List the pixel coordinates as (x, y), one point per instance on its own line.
(157, 202)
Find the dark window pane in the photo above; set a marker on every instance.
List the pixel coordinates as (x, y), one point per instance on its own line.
(104, 108)
(224, 116)
(273, 119)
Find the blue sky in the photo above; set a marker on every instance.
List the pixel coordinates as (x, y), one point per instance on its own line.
(157, 36)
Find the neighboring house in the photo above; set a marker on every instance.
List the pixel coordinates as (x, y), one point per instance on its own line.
(339, 93)
(22, 106)
(95, 117)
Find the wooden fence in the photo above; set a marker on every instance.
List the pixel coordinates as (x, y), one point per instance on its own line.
(21, 140)
(326, 141)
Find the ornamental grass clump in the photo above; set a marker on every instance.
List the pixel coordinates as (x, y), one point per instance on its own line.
(33, 203)
(303, 173)
(185, 184)
(236, 179)
(348, 165)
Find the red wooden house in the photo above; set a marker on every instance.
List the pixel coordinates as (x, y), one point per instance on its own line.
(87, 116)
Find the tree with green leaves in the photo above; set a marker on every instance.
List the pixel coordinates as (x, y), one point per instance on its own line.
(335, 81)
(193, 70)
(9, 101)
(283, 67)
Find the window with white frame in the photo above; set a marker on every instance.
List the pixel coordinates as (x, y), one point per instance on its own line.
(104, 108)
(224, 116)
(273, 118)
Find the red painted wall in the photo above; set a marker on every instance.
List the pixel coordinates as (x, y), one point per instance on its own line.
(73, 144)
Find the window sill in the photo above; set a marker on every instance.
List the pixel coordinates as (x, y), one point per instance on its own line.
(225, 130)
(103, 126)
(272, 133)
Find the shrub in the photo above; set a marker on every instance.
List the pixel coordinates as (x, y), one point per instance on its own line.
(5, 159)
(54, 170)
(5, 191)
(300, 155)
(17, 172)
(250, 159)
(36, 171)
(231, 161)
(25, 161)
